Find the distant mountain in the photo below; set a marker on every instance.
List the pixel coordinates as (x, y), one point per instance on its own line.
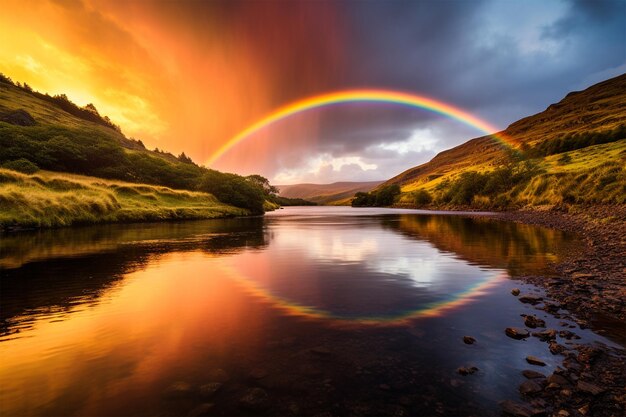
(334, 193)
(571, 153)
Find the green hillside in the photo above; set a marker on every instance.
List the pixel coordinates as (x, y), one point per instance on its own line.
(571, 154)
(38, 131)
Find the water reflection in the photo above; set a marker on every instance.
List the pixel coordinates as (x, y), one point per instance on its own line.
(110, 317)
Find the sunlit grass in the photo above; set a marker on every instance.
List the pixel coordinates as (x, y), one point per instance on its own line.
(48, 199)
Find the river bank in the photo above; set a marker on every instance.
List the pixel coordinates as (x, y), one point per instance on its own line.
(590, 285)
(50, 199)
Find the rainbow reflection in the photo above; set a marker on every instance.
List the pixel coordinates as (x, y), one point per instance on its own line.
(365, 95)
(433, 309)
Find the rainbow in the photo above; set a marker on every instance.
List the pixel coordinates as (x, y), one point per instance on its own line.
(365, 95)
(434, 309)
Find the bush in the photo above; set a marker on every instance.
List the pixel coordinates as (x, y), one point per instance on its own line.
(422, 197)
(21, 165)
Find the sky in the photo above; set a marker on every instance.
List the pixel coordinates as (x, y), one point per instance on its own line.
(190, 75)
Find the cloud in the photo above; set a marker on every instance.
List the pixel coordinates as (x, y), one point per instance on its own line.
(187, 76)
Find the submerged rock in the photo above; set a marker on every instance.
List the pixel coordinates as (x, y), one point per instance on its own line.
(530, 299)
(530, 374)
(517, 332)
(530, 387)
(512, 408)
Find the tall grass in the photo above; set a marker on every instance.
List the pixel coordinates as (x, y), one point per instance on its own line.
(49, 199)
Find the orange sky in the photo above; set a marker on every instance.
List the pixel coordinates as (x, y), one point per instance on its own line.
(179, 79)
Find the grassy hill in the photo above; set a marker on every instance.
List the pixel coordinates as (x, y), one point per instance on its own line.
(334, 193)
(572, 153)
(49, 199)
(42, 132)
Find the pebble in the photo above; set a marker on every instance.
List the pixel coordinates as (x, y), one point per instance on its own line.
(515, 291)
(533, 360)
(468, 340)
(467, 371)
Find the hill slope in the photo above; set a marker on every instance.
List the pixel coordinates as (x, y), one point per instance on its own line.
(38, 131)
(326, 193)
(573, 152)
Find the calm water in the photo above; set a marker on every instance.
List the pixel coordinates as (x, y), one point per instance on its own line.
(337, 310)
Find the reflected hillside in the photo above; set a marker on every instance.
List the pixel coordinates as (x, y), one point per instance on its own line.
(21, 248)
(55, 271)
(518, 248)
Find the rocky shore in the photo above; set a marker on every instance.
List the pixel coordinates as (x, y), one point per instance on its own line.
(589, 284)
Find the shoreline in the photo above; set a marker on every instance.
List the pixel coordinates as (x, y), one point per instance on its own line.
(590, 286)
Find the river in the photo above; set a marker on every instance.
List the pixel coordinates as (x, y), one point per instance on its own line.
(305, 311)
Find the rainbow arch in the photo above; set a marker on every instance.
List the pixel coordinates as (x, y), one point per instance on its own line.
(364, 95)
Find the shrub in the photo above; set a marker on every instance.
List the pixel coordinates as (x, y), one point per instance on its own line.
(422, 197)
(21, 165)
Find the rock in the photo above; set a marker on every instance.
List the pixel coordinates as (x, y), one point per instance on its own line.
(566, 334)
(516, 333)
(589, 388)
(208, 390)
(202, 410)
(512, 408)
(18, 117)
(563, 413)
(545, 335)
(384, 387)
(530, 299)
(255, 399)
(178, 389)
(530, 374)
(469, 340)
(579, 275)
(560, 380)
(533, 360)
(515, 291)
(534, 322)
(584, 410)
(555, 348)
(530, 387)
(467, 371)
